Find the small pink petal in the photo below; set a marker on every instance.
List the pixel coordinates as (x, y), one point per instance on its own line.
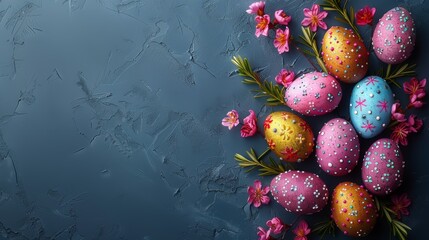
(307, 12)
(423, 83)
(315, 9)
(322, 15)
(257, 184)
(265, 199)
(306, 22)
(313, 27)
(250, 190)
(256, 203)
(265, 190)
(323, 25)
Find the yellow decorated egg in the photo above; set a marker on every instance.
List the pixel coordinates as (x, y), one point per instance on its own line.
(289, 136)
(344, 54)
(353, 209)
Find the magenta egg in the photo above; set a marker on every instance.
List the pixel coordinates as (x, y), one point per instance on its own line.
(337, 147)
(383, 167)
(300, 192)
(394, 36)
(314, 94)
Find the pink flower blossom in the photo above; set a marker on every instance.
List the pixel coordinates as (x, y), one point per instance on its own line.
(400, 205)
(313, 18)
(398, 113)
(400, 133)
(414, 103)
(262, 25)
(365, 16)
(282, 40)
(249, 127)
(257, 194)
(281, 17)
(414, 124)
(231, 120)
(257, 8)
(263, 234)
(415, 87)
(285, 77)
(302, 231)
(276, 225)
(416, 90)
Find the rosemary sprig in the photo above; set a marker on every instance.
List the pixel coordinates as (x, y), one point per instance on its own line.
(347, 17)
(308, 39)
(403, 70)
(325, 227)
(273, 93)
(255, 161)
(398, 228)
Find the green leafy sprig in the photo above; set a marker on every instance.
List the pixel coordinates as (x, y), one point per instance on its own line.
(398, 228)
(269, 90)
(403, 70)
(325, 227)
(347, 17)
(308, 39)
(255, 161)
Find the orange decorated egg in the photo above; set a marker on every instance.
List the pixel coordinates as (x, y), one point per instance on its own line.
(289, 136)
(344, 54)
(353, 209)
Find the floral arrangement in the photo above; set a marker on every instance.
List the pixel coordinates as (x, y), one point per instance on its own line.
(341, 56)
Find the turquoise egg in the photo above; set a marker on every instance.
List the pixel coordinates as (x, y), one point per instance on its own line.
(370, 104)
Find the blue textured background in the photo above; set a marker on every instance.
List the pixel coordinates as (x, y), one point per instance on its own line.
(110, 118)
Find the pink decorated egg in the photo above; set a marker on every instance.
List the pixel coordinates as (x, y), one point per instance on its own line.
(300, 192)
(337, 147)
(383, 167)
(314, 94)
(394, 36)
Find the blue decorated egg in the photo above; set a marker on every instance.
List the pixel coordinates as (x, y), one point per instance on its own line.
(370, 104)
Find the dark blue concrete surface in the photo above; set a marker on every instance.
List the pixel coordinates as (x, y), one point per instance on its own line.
(110, 119)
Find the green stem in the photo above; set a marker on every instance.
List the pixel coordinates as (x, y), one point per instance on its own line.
(403, 70)
(273, 93)
(392, 124)
(303, 54)
(335, 5)
(264, 153)
(353, 26)
(310, 42)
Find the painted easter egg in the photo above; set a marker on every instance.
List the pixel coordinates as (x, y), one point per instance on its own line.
(314, 94)
(337, 147)
(394, 36)
(353, 209)
(344, 54)
(383, 167)
(370, 104)
(300, 192)
(288, 136)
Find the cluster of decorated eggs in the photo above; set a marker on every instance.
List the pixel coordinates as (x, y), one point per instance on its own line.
(337, 144)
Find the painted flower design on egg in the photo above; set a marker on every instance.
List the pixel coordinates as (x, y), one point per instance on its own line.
(370, 104)
(288, 136)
